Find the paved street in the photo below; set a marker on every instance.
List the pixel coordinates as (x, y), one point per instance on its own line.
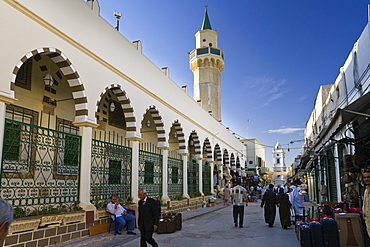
(215, 228)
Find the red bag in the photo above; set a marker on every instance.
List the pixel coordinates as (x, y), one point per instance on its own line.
(323, 216)
(352, 210)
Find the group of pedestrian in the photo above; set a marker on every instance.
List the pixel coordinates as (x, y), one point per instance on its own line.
(284, 202)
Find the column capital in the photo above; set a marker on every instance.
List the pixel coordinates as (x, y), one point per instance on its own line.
(7, 98)
(134, 138)
(184, 154)
(164, 148)
(86, 124)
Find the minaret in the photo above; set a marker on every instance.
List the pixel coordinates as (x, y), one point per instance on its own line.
(207, 63)
(278, 159)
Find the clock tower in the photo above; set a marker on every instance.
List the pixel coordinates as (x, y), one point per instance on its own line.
(278, 166)
(207, 63)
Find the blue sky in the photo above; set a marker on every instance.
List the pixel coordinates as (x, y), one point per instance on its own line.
(277, 54)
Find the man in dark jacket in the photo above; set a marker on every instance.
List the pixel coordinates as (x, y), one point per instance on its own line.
(148, 218)
(269, 201)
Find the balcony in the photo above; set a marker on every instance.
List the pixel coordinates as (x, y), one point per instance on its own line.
(206, 51)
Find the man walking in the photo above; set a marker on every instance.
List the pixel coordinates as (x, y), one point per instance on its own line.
(148, 218)
(239, 196)
(269, 201)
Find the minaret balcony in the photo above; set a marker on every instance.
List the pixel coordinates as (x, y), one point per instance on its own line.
(206, 51)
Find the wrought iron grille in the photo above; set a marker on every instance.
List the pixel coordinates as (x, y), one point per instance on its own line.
(150, 172)
(40, 167)
(110, 171)
(206, 178)
(193, 186)
(175, 177)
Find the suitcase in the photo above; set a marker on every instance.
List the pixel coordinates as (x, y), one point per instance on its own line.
(166, 225)
(351, 229)
(297, 226)
(305, 236)
(317, 237)
(177, 217)
(330, 232)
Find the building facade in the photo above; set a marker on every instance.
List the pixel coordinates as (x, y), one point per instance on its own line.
(337, 132)
(84, 114)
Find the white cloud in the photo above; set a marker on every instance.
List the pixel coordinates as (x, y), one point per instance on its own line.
(265, 88)
(285, 130)
(303, 98)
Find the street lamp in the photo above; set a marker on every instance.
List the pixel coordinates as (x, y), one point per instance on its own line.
(112, 107)
(48, 80)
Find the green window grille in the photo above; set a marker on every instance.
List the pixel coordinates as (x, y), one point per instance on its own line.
(35, 181)
(193, 178)
(110, 171)
(70, 156)
(175, 177)
(150, 173)
(67, 154)
(12, 147)
(206, 175)
(114, 176)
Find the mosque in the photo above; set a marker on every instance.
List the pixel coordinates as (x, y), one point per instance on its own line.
(84, 113)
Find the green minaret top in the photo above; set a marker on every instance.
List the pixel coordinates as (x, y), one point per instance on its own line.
(206, 23)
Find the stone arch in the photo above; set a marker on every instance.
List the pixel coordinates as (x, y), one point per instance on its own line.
(70, 73)
(212, 62)
(196, 142)
(226, 158)
(125, 103)
(180, 136)
(232, 161)
(159, 126)
(206, 62)
(238, 163)
(217, 154)
(207, 150)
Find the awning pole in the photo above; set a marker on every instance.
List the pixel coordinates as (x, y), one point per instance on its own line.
(355, 112)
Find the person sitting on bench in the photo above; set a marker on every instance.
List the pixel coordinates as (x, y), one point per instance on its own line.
(122, 217)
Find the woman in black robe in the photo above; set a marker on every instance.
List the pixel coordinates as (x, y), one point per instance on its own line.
(282, 201)
(269, 201)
